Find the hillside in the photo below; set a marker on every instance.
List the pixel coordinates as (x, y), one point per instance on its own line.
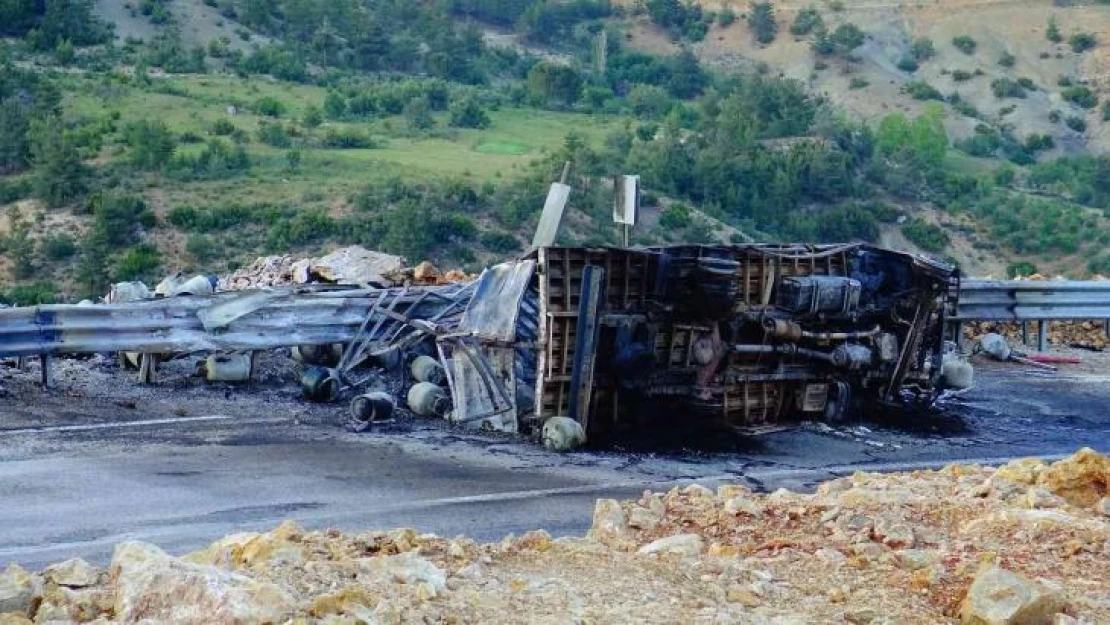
(1010, 43)
(142, 139)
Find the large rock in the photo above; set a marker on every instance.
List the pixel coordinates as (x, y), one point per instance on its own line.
(350, 265)
(152, 586)
(74, 573)
(1001, 597)
(1082, 478)
(1023, 470)
(16, 589)
(610, 526)
(404, 568)
(680, 544)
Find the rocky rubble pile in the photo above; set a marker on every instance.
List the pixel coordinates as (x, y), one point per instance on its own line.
(1026, 543)
(1083, 334)
(348, 265)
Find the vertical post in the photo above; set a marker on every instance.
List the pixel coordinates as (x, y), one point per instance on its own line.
(1106, 325)
(1025, 333)
(1042, 335)
(47, 373)
(627, 234)
(587, 328)
(147, 363)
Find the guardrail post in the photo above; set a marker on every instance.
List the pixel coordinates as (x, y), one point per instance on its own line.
(1024, 332)
(1106, 325)
(956, 330)
(47, 374)
(147, 364)
(1042, 335)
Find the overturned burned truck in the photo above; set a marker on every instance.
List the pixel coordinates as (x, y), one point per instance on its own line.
(751, 337)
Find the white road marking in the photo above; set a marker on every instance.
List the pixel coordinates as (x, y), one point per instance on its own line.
(118, 424)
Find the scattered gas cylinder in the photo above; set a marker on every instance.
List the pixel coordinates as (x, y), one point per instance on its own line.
(428, 369)
(428, 400)
(318, 384)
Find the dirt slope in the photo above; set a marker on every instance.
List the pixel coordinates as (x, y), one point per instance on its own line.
(998, 27)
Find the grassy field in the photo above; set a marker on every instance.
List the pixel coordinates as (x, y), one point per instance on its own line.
(194, 103)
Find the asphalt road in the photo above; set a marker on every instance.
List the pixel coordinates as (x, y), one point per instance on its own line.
(81, 473)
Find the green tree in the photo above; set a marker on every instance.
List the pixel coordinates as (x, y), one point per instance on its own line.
(418, 114)
(761, 19)
(554, 82)
(1052, 31)
(335, 105)
(807, 21)
(312, 116)
(468, 113)
(63, 52)
(15, 149)
(60, 176)
(139, 263)
(151, 143)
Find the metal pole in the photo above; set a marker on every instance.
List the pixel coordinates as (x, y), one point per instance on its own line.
(47, 374)
(1042, 335)
(1025, 333)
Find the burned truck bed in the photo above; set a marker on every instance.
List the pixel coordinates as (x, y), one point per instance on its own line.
(752, 337)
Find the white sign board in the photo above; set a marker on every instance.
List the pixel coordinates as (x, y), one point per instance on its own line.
(626, 203)
(552, 215)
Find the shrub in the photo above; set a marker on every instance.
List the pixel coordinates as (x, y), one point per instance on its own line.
(857, 82)
(1081, 96)
(1007, 60)
(313, 117)
(1006, 88)
(499, 242)
(1021, 268)
(269, 106)
(1027, 83)
(1052, 31)
(1081, 42)
(1106, 111)
(807, 21)
(907, 64)
(59, 247)
(964, 44)
(1037, 142)
(761, 19)
(468, 113)
(349, 139)
(960, 75)
(151, 144)
(31, 294)
(726, 17)
(675, 217)
(921, 90)
(1076, 123)
(927, 236)
(274, 135)
(922, 49)
(201, 248)
(138, 263)
(1054, 116)
(222, 127)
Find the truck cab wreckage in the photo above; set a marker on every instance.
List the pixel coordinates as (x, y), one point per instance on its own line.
(571, 344)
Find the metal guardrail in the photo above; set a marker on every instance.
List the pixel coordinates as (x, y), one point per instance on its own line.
(1024, 301)
(1032, 300)
(230, 321)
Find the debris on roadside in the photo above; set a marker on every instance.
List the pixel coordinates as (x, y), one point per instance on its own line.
(963, 544)
(996, 346)
(1090, 335)
(353, 265)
